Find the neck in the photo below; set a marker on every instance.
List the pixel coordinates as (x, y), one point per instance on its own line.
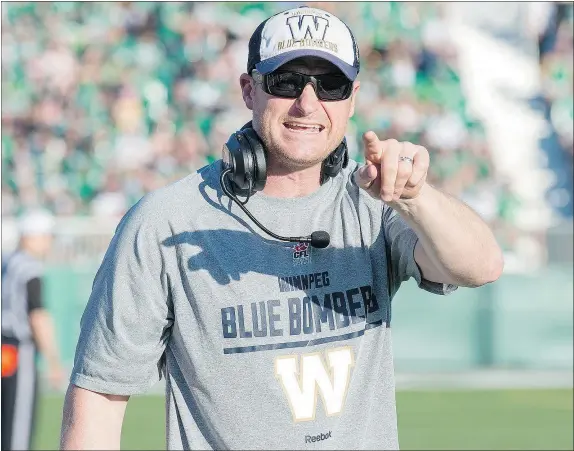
(30, 250)
(292, 183)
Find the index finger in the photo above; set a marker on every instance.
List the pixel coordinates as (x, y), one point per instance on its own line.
(373, 147)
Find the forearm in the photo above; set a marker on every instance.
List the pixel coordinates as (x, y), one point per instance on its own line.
(91, 420)
(43, 332)
(454, 238)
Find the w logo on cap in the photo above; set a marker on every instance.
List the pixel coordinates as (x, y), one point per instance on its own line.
(308, 27)
(302, 32)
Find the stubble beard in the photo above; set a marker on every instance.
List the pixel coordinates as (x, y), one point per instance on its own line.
(283, 160)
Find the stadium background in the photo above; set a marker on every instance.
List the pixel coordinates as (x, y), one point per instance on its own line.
(103, 102)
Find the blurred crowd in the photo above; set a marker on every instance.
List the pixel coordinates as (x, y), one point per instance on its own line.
(105, 101)
(556, 49)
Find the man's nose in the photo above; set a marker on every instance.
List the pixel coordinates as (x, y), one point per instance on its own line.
(308, 102)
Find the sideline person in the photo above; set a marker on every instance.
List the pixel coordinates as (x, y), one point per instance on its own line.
(27, 327)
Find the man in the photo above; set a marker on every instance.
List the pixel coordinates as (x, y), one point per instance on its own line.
(26, 326)
(249, 331)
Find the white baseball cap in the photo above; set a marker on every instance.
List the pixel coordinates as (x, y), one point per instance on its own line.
(36, 222)
(303, 31)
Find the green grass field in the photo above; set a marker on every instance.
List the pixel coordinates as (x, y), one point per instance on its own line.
(478, 419)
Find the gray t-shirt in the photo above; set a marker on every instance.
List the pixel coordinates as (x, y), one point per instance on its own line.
(263, 344)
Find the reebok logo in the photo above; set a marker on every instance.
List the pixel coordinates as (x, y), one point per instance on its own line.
(317, 438)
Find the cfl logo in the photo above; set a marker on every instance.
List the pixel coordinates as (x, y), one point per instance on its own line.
(301, 250)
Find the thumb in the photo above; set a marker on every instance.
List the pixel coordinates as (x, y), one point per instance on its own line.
(366, 175)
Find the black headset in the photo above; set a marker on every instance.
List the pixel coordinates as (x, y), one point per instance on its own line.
(245, 164)
(246, 157)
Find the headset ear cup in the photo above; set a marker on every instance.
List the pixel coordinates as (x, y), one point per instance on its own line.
(259, 159)
(233, 160)
(337, 160)
(237, 156)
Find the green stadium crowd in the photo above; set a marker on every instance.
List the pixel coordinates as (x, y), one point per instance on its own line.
(556, 100)
(105, 101)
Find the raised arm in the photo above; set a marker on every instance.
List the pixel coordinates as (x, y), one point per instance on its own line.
(455, 245)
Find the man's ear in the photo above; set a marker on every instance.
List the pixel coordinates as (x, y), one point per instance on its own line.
(356, 87)
(247, 89)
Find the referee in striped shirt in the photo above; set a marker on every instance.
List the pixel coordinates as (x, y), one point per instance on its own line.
(26, 328)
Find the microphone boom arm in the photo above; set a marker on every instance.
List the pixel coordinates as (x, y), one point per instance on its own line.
(318, 239)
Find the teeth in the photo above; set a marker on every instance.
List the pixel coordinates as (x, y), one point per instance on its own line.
(304, 127)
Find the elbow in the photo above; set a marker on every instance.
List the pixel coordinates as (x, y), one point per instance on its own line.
(490, 271)
(497, 267)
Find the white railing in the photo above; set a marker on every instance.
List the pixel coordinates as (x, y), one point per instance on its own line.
(77, 240)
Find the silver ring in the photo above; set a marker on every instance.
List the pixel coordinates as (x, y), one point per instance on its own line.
(409, 159)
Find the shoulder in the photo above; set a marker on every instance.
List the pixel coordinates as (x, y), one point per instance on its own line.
(23, 265)
(181, 193)
(177, 201)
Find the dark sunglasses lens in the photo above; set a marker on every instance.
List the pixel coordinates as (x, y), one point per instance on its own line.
(285, 84)
(291, 85)
(334, 87)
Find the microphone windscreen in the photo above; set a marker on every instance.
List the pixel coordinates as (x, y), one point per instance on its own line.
(320, 239)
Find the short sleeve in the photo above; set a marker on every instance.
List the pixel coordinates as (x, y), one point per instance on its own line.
(400, 242)
(34, 294)
(128, 317)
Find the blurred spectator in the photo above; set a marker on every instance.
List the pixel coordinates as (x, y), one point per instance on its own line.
(27, 327)
(556, 47)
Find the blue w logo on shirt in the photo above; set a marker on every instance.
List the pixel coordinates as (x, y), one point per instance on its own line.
(308, 27)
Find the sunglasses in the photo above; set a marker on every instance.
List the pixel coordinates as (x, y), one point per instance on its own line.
(290, 85)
